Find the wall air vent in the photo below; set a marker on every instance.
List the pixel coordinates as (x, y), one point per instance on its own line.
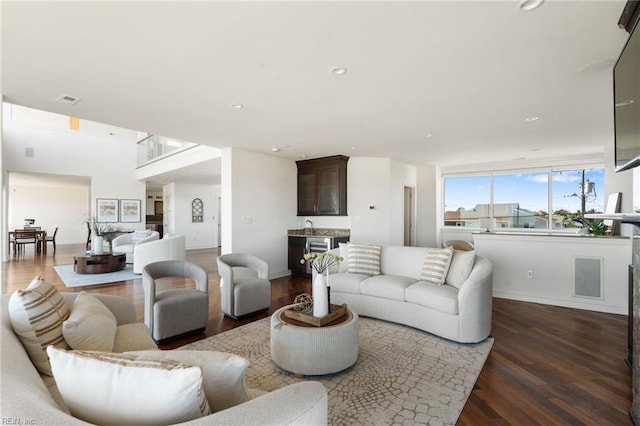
(67, 99)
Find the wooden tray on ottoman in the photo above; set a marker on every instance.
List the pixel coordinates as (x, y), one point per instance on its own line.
(337, 311)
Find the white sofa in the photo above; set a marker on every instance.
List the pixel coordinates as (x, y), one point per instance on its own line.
(171, 247)
(127, 242)
(398, 295)
(25, 398)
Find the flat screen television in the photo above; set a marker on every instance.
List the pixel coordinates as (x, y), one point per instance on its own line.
(626, 89)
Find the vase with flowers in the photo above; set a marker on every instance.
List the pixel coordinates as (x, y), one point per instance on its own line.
(97, 230)
(321, 263)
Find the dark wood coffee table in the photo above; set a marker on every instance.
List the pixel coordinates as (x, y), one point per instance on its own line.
(99, 263)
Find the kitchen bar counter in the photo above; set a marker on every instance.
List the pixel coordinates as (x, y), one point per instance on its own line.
(319, 232)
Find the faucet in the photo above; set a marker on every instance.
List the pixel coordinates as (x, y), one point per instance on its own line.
(310, 229)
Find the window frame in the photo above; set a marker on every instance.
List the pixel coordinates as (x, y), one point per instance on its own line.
(506, 171)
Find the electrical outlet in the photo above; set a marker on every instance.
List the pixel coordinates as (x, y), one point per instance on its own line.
(530, 274)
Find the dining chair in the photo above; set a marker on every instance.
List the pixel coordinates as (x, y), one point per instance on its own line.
(23, 237)
(52, 239)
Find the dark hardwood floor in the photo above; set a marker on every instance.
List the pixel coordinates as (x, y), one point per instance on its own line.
(548, 366)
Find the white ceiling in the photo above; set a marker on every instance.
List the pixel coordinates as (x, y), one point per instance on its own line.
(466, 73)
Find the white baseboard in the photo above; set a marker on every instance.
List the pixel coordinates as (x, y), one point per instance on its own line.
(610, 309)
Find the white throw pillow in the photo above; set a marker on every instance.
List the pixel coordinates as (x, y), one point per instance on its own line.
(363, 259)
(223, 381)
(460, 268)
(436, 265)
(37, 314)
(107, 388)
(91, 325)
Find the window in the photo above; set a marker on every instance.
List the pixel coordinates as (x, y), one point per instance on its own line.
(521, 200)
(524, 200)
(576, 192)
(466, 200)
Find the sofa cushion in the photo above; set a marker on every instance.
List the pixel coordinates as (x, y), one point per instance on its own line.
(436, 265)
(363, 259)
(37, 314)
(91, 325)
(107, 388)
(346, 283)
(223, 381)
(133, 337)
(460, 268)
(443, 298)
(387, 286)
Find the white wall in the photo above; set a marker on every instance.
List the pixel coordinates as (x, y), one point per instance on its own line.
(427, 216)
(550, 259)
(368, 185)
(378, 182)
(258, 206)
(110, 162)
(51, 206)
(198, 235)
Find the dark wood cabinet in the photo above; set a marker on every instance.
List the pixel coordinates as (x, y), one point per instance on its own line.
(322, 186)
(297, 248)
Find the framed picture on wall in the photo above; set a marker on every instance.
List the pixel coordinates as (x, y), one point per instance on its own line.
(106, 210)
(130, 211)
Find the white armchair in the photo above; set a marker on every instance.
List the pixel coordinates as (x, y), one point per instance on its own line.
(171, 247)
(126, 243)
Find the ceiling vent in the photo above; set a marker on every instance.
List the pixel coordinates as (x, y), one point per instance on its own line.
(68, 99)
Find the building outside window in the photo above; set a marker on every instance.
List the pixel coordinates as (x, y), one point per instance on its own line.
(526, 200)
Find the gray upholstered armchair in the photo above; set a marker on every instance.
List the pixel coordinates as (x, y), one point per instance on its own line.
(174, 312)
(244, 286)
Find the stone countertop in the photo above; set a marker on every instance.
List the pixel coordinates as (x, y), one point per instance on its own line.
(319, 232)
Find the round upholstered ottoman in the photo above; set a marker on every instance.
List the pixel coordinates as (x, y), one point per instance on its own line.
(313, 350)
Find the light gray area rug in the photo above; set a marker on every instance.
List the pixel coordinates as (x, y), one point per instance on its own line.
(71, 279)
(402, 376)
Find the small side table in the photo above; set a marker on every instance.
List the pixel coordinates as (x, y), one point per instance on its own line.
(309, 350)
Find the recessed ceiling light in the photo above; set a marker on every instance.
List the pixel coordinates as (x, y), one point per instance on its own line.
(625, 103)
(428, 135)
(529, 5)
(339, 70)
(354, 147)
(303, 156)
(237, 106)
(532, 118)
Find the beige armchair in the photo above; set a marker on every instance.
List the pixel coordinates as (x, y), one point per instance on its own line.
(244, 285)
(175, 312)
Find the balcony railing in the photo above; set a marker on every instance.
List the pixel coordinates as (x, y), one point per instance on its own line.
(153, 147)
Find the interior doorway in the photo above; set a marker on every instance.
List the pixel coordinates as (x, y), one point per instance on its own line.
(409, 213)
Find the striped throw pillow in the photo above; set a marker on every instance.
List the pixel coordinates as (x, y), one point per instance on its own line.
(436, 265)
(37, 314)
(116, 389)
(363, 259)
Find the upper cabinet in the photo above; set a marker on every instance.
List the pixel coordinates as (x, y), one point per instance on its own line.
(322, 186)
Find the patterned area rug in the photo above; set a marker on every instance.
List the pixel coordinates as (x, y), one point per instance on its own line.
(402, 375)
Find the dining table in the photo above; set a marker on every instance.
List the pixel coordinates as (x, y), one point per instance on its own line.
(41, 238)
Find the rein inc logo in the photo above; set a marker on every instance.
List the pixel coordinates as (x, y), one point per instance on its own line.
(17, 421)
